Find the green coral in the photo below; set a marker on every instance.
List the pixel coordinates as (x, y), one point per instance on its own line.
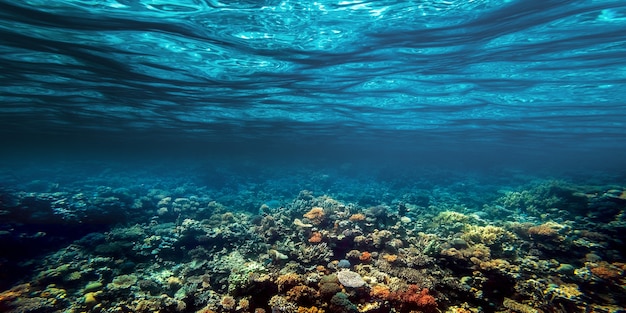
(241, 271)
(451, 221)
(341, 303)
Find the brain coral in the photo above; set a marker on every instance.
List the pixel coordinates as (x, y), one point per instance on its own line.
(350, 279)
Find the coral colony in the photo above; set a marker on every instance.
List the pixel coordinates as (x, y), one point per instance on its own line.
(546, 246)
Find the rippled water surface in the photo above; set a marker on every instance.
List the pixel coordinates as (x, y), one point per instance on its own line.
(231, 156)
(524, 75)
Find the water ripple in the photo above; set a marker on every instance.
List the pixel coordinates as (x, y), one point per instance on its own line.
(486, 69)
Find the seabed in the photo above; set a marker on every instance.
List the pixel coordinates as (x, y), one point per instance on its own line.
(539, 245)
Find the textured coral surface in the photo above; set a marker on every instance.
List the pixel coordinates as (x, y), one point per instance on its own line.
(402, 245)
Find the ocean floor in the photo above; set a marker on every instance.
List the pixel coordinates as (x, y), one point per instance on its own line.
(305, 240)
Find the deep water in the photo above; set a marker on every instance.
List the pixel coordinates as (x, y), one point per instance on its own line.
(179, 141)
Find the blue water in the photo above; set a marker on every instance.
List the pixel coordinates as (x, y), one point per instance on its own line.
(162, 133)
(521, 80)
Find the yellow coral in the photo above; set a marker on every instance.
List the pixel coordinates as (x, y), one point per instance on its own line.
(498, 265)
(390, 257)
(312, 309)
(380, 291)
(488, 235)
(228, 302)
(174, 281)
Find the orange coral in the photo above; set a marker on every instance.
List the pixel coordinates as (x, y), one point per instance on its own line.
(380, 292)
(315, 215)
(365, 256)
(316, 237)
(243, 305)
(14, 293)
(390, 257)
(357, 217)
(549, 231)
(320, 268)
(309, 310)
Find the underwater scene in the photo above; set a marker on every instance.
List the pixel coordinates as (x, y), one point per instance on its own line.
(174, 156)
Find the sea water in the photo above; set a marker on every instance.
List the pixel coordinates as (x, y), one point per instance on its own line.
(179, 148)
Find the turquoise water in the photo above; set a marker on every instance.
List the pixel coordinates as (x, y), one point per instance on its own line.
(171, 156)
(544, 78)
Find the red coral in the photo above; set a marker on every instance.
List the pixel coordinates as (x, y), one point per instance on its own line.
(414, 297)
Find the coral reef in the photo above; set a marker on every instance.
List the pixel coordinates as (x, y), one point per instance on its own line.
(542, 247)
